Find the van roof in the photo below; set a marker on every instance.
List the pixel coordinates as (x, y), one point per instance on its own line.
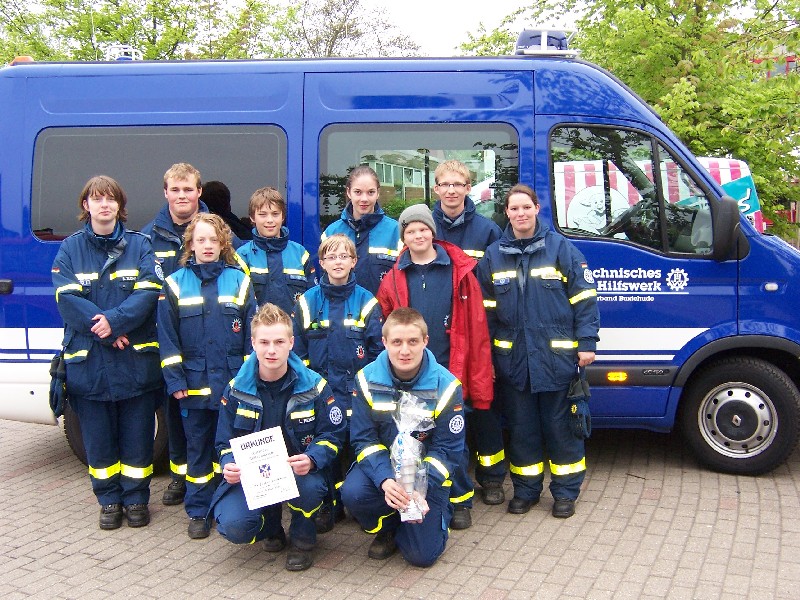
(563, 85)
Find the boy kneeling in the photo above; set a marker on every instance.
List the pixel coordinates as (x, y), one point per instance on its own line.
(370, 491)
(274, 388)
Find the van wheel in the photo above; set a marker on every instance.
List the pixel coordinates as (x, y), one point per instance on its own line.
(72, 431)
(741, 416)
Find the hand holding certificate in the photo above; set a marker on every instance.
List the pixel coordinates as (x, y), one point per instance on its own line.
(266, 474)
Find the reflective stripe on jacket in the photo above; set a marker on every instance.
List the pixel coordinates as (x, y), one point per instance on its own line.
(470, 349)
(541, 306)
(377, 240)
(119, 283)
(373, 430)
(204, 333)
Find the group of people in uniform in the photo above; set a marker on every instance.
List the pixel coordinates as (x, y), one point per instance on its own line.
(484, 328)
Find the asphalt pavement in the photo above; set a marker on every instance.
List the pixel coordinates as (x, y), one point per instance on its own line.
(650, 523)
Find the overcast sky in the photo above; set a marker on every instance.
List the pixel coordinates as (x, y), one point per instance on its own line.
(439, 26)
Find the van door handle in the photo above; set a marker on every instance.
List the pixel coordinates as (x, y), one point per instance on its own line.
(6, 286)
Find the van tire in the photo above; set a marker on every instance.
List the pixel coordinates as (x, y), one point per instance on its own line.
(72, 431)
(741, 416)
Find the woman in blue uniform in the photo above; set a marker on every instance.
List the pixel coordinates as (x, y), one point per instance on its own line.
(376, 236)
(541, 305)
(106, 292)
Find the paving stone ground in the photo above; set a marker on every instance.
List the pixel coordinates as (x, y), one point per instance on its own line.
(650, 523)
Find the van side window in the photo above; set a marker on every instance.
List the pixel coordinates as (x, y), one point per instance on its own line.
(243, 157)
(620, 184)
(405, 157)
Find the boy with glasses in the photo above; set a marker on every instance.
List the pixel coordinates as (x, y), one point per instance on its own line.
(456, 219)
(458, 222)
(337, 330)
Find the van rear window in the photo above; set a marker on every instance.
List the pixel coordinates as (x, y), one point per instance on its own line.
(405, 157)
(243, 157)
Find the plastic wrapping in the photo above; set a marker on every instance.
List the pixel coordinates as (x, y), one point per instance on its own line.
(407, 452)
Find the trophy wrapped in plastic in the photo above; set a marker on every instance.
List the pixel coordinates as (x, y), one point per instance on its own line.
(407, 453)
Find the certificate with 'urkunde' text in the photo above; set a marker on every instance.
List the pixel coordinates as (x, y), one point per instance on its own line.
(267, 477)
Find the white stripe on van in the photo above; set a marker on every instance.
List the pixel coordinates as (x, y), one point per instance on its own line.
(12, 338)
(634, 358)
(36, 343)
(643, 339)
(41, 338)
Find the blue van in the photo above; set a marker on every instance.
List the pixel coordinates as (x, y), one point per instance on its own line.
(698, 322)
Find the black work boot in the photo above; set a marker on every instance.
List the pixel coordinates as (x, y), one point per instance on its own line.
(519, 506)
(324, 518)
(198, 528)
(111, 516)
(138, 515)
(563, 508)
(277, 543)
(492, 493)
(383, 546)
(298, 559)
(462, 519)
(175, 492)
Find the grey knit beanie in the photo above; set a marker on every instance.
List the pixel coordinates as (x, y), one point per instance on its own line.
(416, 212)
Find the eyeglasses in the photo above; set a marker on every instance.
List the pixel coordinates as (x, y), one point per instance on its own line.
(447, 186)
(333, 257)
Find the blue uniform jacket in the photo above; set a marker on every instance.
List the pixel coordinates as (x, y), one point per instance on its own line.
(279, 268)
(337, 332)
(115, 278)
(541, 305)
(372, 429)
(314, 423)
(168, 243)
(377, 240)
(204, 330)
(470, 231)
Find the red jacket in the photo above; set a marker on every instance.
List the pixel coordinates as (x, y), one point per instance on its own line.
(470, 349)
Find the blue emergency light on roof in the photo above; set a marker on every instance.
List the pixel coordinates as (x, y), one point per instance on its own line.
(543, 41)
(122, 52)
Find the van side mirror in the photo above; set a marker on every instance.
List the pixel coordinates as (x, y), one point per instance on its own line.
(726, 228)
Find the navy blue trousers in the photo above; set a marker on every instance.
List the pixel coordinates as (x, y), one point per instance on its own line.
(118, 438)
(486, 432)
(240, 525)
(200, 425)
(177, 438)
(339, 467)
(421, 544)
(538, 426)
(485, 436)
